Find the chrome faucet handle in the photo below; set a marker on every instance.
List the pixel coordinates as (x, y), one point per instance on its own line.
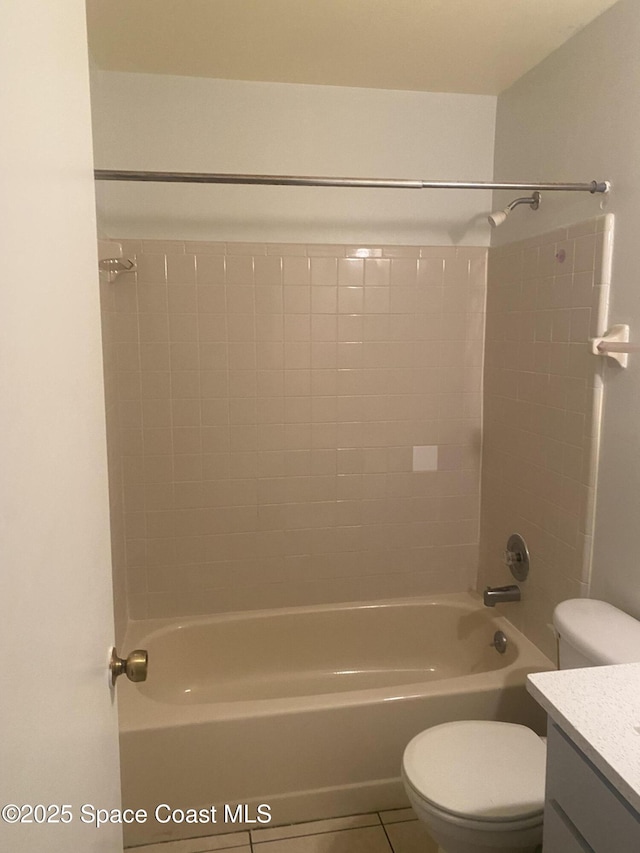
(516, 557)
(512, 558)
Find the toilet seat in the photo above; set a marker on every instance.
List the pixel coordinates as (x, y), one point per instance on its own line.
(479, 773)
(422, 807)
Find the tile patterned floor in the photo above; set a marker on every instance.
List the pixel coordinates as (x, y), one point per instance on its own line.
(396, 831)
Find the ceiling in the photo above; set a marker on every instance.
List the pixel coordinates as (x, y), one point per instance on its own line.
(469, 46)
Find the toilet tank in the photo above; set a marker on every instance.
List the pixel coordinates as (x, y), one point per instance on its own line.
(594, 633)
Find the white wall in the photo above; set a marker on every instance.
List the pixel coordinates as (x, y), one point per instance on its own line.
(157, 122)
(58, 719)
(577, 117)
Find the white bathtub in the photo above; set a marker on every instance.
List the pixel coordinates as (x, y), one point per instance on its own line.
(309, 709)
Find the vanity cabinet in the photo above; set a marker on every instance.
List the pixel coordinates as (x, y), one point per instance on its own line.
(583, 812)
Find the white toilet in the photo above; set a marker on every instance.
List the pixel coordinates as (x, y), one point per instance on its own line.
(478, 784)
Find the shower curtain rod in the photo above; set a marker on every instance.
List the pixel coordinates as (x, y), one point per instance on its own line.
(309, 181)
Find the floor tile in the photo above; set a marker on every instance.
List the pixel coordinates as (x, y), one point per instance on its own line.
(238, 841)
(410, 837)
(370, 839)
(397, 815)
(314, 827)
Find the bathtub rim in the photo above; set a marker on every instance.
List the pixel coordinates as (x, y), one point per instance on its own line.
(139, 630)
(139, 712)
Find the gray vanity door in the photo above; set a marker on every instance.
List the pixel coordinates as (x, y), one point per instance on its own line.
(582, 807)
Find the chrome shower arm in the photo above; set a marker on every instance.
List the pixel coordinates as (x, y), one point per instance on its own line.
(533, 201)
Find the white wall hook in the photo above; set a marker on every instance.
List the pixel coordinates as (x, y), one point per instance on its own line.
(615, 344)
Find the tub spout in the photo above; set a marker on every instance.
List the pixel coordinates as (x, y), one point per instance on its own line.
(498, 594)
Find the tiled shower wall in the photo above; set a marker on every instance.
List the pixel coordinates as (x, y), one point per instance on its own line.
(267, 400)
(111, 355)
(542, 400)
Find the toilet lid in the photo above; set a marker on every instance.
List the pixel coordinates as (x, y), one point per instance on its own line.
(478, 769)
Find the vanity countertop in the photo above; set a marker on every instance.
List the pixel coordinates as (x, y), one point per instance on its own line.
(599, 709)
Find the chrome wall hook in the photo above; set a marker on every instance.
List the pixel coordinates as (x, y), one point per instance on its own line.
(114, 267)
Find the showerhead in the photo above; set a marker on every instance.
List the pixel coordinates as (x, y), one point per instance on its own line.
(499, 216)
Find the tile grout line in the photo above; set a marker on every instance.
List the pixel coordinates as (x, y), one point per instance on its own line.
(143, 847)
(386, 834)
(318, 820)
(314, 834)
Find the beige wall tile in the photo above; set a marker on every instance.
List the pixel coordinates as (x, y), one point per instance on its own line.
(238, 269)
(324, 300)
(184, 355)
(205, 247)
(269, 299)
(376, 272)
(350, 272)
(210, 269)
(295, 271)
(539, 419)
(151, 266)
(181, 268)
(268, 399)
(267, 271)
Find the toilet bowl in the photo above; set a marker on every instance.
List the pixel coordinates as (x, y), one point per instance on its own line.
(479, 784)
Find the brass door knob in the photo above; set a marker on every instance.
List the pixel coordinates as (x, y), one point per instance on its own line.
(135, 666)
